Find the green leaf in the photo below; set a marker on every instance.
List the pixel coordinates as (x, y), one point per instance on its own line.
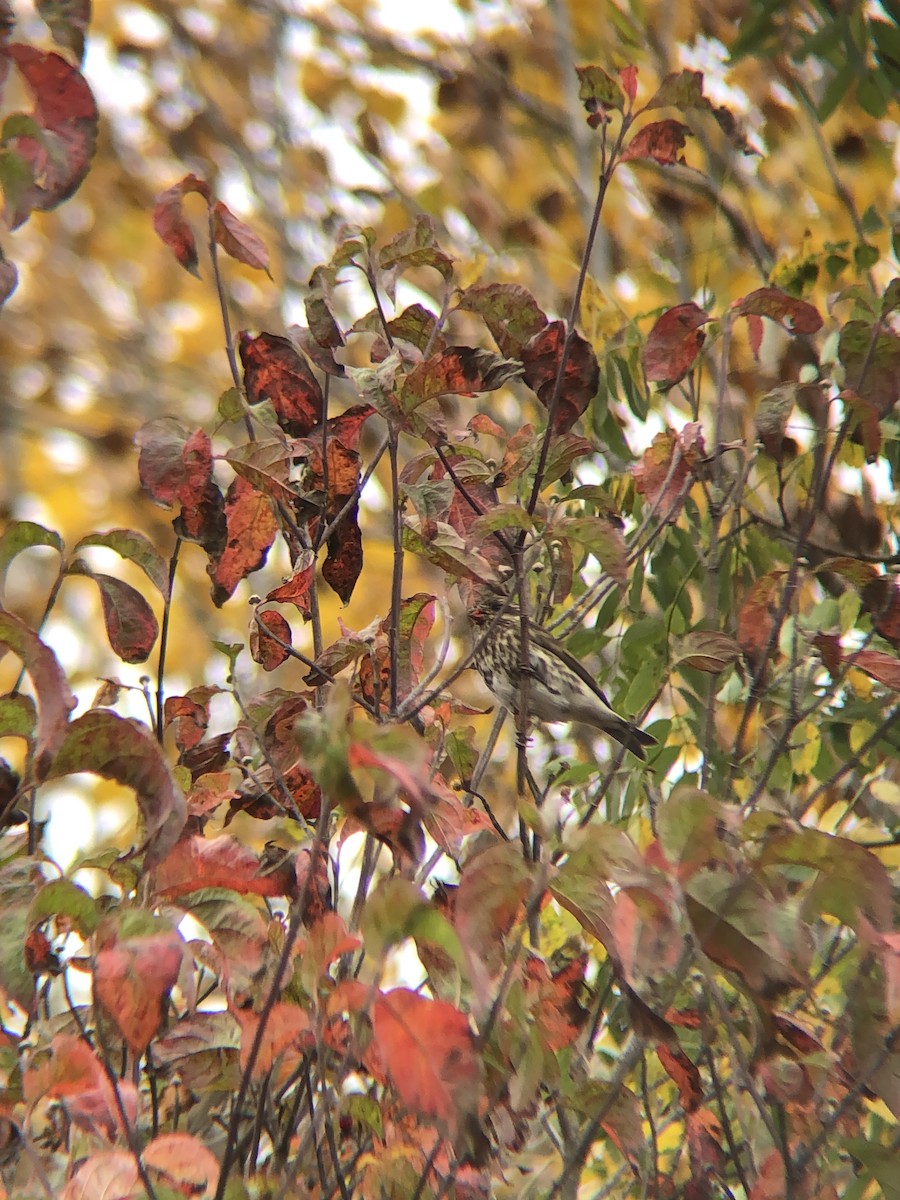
(135, 547)
(22, 535)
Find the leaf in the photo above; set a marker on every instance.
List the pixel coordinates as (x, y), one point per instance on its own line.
(427, 1050)
(176, 467)
(707, 650)
(110, 1173)
(136, 548)
(66, 112)
(68, 22)
(264, 649)
(62, 897)
(796, 316)
(125, 751)
(674, 343)
(461, 370)
(416, 247)
(756, 617)
(322, 324)
(872, 364)
(275, 371)
(137, 963)
(601, 536)
(220, 862)
(287, 1029)
(251, 531)
(172, 226)
(883, 667)
(682, 89)
(131, 626)
(510, 312)
(238, 239)
(662, 141)
(54, 696)
(22, 535)
(17, 717)
(9, 276)
(299, 588)
(597, 90)
(182, 1163)
(492, 890)
(542, 357)
(664, 472)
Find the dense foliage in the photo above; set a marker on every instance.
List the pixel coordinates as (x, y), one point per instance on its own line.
(614, 352)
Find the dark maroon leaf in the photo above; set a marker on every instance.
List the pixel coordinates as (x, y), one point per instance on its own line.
(662, 141)
(171, 224)
(67, 114)
(674, 343)
(251, 530)
(275, 371)
(130, 624)
(542, 356)
(266, 650)
(510, 312)
(126, 751)
(176, 468)
(54, 696)
(238, 239)
(343, 565)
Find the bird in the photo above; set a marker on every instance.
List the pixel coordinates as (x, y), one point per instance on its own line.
(560, 688)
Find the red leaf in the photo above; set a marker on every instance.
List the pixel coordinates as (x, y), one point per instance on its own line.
(125, 751)
(662, 141)
(287, 1029)
(238, 239)
(299, 588)
(542, 356)
(183, 1164)
(266, 650)
(426, 1049)
(829, 646)
(628, 76)
(171, 224)
(133, 975)
(176, 468)
(274, 371)
(131, 627)
(883, 667)
(674, 343)
(251, 531)
(664, 472)
(687, 1078)
(221, 862)
(66, 111)
(54, 696)
(796, 316)
(510, 312)
(757, 614)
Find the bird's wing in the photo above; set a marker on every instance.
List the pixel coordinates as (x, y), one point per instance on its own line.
(553, 647)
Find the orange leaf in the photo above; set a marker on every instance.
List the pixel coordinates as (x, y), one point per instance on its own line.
(427, 1050)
